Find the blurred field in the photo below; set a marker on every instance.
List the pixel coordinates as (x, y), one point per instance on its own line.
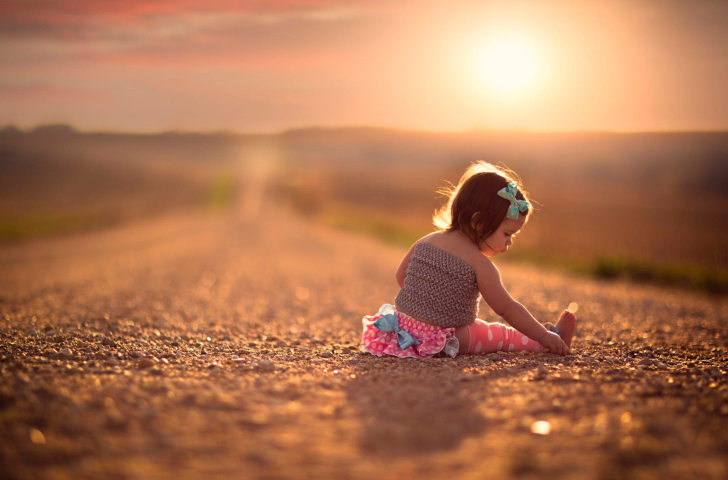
(650, 206)
(55, 180)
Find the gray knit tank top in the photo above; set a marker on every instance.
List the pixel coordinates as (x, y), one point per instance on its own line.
(439, 287)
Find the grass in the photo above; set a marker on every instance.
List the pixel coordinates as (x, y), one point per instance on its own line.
(707, 279)
(695, 277)
(370, 224)
(52, 223)
(221, 193)
(218, 196)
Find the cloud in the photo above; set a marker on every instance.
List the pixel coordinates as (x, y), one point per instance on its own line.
(98, 19)
(165, 32)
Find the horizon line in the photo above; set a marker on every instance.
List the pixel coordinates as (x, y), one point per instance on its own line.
(173, 131)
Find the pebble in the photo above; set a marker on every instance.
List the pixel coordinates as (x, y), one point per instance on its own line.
(108, 342)
(66, 352)
(662, 366)
(266, 366)
(327, 354)
(146, 363)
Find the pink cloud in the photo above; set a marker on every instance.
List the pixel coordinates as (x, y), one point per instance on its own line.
(61, 19)
(182, 32)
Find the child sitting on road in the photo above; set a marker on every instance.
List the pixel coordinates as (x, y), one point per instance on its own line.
(444, 273)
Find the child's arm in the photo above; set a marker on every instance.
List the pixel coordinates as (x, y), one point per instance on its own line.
(402, 270)
(498, 298)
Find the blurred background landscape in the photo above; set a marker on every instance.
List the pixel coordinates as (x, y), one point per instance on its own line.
(356, 113)
(647, 206)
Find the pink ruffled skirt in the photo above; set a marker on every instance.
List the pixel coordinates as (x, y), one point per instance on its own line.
(433, 340)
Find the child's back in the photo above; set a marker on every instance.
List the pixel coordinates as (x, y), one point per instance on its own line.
(438, 280)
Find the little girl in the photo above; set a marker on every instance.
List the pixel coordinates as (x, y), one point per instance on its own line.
(444, 273)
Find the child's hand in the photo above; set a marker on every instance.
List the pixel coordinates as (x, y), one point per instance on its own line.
(554, 343)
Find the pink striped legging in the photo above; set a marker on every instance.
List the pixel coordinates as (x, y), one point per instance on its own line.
(496, 337)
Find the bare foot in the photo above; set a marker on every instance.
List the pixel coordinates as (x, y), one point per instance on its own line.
(566, 326)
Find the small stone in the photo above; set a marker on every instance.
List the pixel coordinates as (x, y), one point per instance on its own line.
(645, 362)
(156, 371)
(116, 420)
(108, 342)
(136, 354)
(541, 373)
(146, 363)
(37, 437)
(266, 366)
(66, 352)
(662, 366)
(327, 354)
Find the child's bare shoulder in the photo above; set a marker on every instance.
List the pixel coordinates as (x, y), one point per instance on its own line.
(460, 246)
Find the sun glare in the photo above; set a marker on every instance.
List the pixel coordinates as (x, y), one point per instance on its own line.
(509, 65)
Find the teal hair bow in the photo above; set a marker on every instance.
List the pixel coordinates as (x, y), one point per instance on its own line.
(389, 322)
(509, 193)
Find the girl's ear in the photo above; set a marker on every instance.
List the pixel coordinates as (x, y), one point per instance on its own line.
(475, 222)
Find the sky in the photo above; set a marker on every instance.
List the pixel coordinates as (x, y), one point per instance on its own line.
(266, 66)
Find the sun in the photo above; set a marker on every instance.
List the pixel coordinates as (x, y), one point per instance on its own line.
(509, 65)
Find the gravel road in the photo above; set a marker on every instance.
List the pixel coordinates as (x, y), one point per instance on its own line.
(203, 346)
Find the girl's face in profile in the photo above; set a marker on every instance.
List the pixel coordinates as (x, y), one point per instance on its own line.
(499, 241)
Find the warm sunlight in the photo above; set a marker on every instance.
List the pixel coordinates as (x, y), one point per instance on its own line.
(509, 65)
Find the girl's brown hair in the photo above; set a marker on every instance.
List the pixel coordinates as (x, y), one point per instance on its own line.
(474, 207)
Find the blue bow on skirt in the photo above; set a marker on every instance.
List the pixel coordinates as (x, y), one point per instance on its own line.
(389, 322)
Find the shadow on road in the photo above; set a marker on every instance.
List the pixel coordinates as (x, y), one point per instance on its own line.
(405, 412)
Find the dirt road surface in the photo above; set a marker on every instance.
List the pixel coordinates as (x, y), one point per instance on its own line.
(226, 346)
